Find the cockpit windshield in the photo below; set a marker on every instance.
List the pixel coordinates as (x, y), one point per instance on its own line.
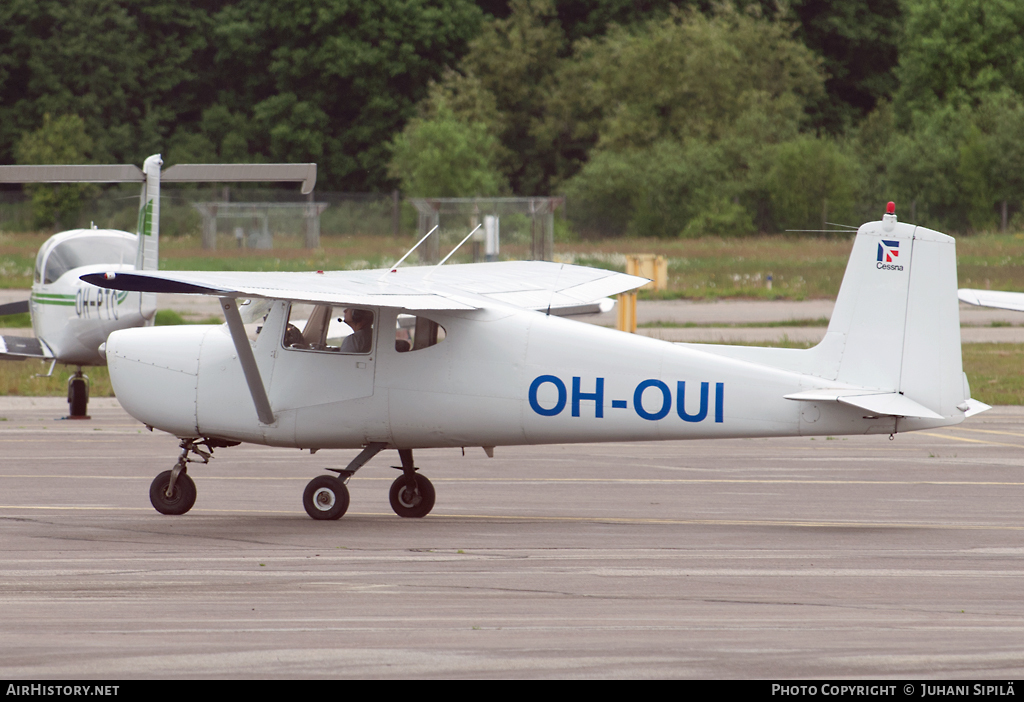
(87, 250)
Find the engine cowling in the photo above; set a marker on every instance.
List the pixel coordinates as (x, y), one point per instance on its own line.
(155, 372)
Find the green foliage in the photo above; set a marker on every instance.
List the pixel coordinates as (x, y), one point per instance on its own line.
(668, 117)
(956, 51)
(924, 164)
(658, 190)
(21, 320)
(332, 81)
(231, 80)
(168, 318)
(61, 140)
(958, 164)
(684, 112)
(859, 43)
(810, 181)
(692, 76)
(506, 79)
(127, 68)
(443, 156)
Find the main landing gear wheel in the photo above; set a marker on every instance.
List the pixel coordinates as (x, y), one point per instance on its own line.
(412, 501)
(325, 497)
(182, 497)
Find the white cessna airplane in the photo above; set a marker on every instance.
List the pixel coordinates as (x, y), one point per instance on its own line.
(469, 355)
(71, 319)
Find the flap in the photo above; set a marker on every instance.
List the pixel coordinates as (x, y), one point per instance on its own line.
(23, 347)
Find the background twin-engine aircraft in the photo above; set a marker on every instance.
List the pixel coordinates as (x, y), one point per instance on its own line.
(470, 355)
(71, 318)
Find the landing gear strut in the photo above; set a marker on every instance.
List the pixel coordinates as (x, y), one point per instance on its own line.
(173, 492)
(78, 395)
(412, 495)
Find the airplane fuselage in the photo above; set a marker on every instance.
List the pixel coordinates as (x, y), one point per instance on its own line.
(501, 376)
(74, 318)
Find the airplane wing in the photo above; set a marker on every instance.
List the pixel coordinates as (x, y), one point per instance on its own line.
(16, 348)
(20, 307)
(993, 298)
(537, 285)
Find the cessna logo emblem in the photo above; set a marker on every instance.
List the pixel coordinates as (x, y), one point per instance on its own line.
(888, 255)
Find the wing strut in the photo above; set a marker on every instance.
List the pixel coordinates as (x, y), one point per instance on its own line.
(452, 251)
(248, 360)
(394, 268)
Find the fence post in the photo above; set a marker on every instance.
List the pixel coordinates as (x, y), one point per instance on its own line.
(396, 213)
(312, 223)
(627, 313)
(209, 213)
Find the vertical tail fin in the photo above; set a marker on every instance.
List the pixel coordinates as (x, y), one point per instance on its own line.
(148, 256)
(896, 323)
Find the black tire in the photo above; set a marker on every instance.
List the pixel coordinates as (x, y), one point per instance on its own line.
(78, 396)
(325, 497)
(408, 502)
(180, 501)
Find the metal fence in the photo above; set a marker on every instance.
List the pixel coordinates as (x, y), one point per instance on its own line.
(262, 218)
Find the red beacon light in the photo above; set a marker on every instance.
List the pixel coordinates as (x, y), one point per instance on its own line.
(890, 208)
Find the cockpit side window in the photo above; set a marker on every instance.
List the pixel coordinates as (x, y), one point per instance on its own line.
(413, 333)
(84, 251)
(329, 328)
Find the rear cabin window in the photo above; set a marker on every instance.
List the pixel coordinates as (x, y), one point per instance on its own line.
(329, 328)
(413, 333)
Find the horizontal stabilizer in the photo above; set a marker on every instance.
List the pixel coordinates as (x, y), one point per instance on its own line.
(19, 347)
(72, 174)
(14, 308)
(888, 403)
(304, 173)
(974, 407)
(993, 298)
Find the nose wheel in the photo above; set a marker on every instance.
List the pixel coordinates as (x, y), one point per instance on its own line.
(78, 396)
(173, 492)
(176, 499)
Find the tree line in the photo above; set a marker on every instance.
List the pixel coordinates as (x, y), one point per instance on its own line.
(655, 117)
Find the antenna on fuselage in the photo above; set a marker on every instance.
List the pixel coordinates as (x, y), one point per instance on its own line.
(394, 268)
(452, 252)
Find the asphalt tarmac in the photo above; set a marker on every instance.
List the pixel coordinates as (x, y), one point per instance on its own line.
(829, 558)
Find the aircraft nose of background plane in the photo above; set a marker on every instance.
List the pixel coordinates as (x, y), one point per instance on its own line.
(154, 373)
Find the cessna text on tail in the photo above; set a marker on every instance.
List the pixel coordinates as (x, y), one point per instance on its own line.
(468, 355)
(72, 319)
